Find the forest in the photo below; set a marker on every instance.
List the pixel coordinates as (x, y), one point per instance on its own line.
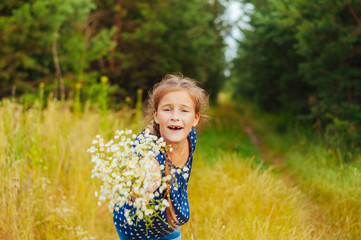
(284, 127)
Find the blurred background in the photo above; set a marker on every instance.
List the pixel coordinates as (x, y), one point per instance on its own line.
(284, 79)
(296, 58)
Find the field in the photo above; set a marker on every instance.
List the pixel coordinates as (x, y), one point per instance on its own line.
(243, 186)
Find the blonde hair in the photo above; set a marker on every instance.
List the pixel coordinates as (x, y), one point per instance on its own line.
(173, 82)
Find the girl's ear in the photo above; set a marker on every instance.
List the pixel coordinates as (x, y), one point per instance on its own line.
(155, 116)
(196, 119)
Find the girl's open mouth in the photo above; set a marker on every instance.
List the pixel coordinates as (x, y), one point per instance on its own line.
(175, 128)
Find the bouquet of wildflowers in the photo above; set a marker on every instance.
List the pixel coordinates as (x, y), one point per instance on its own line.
(126, 165)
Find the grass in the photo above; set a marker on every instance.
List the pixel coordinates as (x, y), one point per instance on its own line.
(234, 200)
(223, 133)
(45, 186)
(332, 184)
(46, 191)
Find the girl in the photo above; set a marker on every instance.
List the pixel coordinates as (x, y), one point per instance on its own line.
(175, 106)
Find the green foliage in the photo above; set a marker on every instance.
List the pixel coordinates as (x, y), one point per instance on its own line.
(33, 34)
(158, 37)
(303, 57)
(267, 63)
(134, 43)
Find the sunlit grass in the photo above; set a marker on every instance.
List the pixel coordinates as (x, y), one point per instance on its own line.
(46, 191)
(233, 200)
(332, 184)
(45, 186)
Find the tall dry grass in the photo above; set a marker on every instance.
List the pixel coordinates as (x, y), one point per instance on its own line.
(233, 200)
(46, 191)
(45, 186)
(332, 183)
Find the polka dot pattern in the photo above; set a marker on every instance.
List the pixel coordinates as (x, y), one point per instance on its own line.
(179, 199)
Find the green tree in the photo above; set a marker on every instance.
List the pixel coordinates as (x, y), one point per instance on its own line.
(158, 37)
(267, 64)
(303, 57)
(329, 39)
(48, 41)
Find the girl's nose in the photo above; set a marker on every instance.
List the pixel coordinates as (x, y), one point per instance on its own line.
(175, 116)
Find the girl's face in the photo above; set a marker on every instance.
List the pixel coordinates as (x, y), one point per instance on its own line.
(176, 116)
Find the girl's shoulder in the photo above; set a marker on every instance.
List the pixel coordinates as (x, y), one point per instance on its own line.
(193, 139)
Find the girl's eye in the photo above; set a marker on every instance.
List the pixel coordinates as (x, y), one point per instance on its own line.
(166, 109)
(184, 110)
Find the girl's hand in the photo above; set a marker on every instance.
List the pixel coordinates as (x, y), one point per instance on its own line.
(155, 181)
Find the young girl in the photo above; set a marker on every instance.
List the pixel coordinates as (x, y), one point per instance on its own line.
(175, 106)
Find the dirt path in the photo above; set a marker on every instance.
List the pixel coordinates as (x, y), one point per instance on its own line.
(275, 159)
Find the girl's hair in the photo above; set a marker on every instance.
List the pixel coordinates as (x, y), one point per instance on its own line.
(173, 82)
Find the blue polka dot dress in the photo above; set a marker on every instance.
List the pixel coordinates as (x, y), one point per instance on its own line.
(179, 199)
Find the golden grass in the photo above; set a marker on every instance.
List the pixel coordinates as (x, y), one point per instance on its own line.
(232, 200)
(45, 186)
(332, 184)
(335, 187)
(46, 191)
